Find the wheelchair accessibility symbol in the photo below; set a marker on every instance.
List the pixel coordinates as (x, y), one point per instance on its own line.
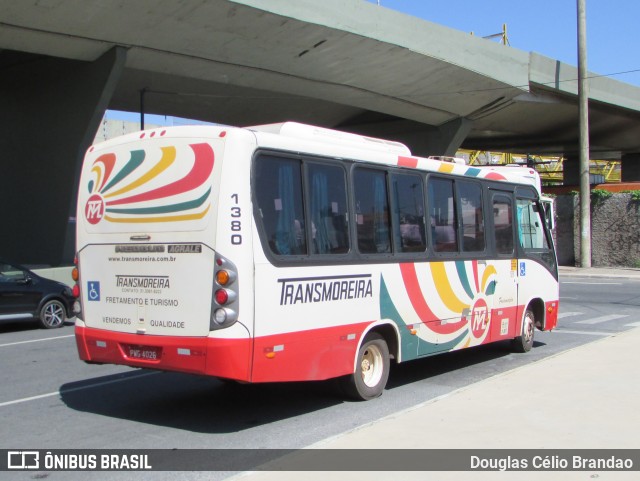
(93, 290)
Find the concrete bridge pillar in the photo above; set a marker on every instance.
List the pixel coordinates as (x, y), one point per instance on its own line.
(447, 139)
(630, 167)
(443, 140)
(571, 170)
(51, 110)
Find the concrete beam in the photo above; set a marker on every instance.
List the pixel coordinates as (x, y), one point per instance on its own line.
(51, 111)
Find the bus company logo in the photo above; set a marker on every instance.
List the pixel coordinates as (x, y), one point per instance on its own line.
(479, 318)
(94, 209)
(145, 282)
(324, 289)
(126, 191)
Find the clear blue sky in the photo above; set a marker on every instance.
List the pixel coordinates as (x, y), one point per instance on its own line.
(548, 27)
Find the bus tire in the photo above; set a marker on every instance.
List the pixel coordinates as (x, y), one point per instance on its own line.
(524, 342)
(372, 370)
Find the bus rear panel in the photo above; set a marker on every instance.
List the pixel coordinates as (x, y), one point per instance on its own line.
(156, 287)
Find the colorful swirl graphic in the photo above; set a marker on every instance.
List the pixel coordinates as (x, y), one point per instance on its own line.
(439, 297)
(448, 168)
(128, 197)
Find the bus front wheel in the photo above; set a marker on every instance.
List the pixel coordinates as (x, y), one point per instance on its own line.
(372, 369)
(524, 342)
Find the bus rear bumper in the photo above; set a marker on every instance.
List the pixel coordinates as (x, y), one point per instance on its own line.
(226, 358)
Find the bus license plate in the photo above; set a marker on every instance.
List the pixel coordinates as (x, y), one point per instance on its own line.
(149, 353)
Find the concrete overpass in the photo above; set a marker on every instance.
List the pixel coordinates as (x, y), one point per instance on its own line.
(346, 64)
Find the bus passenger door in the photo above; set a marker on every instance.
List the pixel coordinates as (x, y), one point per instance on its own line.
(504, 298)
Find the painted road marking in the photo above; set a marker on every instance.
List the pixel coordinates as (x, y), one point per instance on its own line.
(568, 314)
(36, 340)
(587, 333)
(598, 320)
(595, 283)
(74, 389)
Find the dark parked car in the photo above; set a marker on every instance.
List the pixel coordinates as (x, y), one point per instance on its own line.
(26, 295)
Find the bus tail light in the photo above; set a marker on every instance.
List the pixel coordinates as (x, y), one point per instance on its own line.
(224, 305)
(224, 296)
(75, 290)
(221, 297)
(225, 277)
(224, 317)
(222, 277)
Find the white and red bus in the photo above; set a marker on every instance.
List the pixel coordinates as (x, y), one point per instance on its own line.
(291, 252)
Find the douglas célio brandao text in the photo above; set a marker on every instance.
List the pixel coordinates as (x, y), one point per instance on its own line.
(550, 463)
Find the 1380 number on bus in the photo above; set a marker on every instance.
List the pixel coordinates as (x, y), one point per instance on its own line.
(236, 222)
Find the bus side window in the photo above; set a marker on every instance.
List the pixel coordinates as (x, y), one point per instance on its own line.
(279, 196)
(533, 233)
(503, 224)
(408, 213)
(328, 209)
(443, 215)
(530, 225)
(372, 211)
(470, 201)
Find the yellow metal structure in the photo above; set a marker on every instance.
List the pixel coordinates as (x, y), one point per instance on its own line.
(549, 167)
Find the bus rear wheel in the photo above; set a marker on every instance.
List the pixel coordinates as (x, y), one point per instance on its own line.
(524, 342)
(372, 370)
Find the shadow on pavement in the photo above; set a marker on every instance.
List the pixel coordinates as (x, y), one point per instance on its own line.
(207, 405)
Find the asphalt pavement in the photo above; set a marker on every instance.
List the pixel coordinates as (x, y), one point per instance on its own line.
(584, 398)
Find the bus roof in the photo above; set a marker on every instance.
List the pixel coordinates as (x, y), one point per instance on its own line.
(320, 134)
(297, 137)
(313, 140)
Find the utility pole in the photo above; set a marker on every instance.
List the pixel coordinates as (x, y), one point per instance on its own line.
(583, 100)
